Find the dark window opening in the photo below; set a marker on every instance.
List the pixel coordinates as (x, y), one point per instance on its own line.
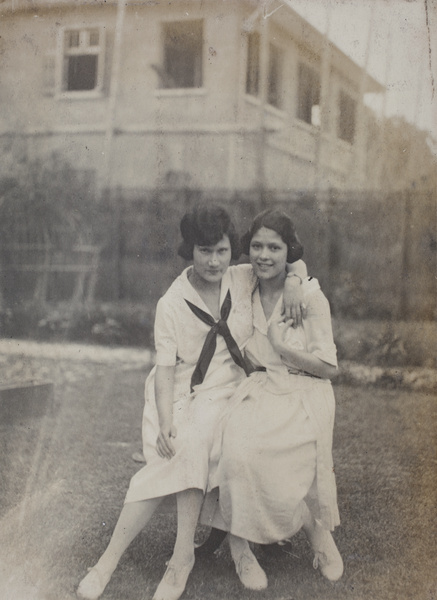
(274, 83)
(346, 118)
(308, 95)
(82, 72)
(183, 49)
(252, 71)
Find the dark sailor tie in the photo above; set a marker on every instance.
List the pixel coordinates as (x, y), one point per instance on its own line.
(209, 346)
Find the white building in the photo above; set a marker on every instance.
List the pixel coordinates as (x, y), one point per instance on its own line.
(208, 93)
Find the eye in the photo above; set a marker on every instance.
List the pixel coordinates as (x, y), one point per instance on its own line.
(204, 250)
(255, 246)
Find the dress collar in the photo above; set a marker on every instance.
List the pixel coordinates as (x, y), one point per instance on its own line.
(191, 294)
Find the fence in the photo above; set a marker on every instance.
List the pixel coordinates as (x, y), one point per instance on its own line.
(374, 256)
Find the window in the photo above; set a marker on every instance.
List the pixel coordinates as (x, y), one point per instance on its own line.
(252, 71)
(83, 60)
(274, 83)
(346, 117)
(308, 95)
(183, 50)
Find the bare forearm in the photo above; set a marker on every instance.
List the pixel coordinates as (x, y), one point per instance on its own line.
(297, 268)
(305, 361)
(164, 391)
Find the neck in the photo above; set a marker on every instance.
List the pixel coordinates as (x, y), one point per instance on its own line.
(200, 285)
(270, 287)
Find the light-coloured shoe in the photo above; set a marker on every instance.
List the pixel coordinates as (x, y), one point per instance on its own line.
(173, 583)
(326, 554)
(92, 585)
(249, 571)
(138, 457)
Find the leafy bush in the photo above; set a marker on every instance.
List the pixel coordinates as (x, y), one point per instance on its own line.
(108, 324)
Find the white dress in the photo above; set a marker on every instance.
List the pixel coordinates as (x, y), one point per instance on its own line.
(274, 448)
(179, 338)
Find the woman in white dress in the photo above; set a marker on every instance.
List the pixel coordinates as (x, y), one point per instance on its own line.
(275, 470)
(198, 365)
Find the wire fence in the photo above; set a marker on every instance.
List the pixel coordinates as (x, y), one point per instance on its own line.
(374, 256)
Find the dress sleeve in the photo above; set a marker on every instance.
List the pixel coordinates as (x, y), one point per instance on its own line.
(318, 328)
(245, 276)
(165, 335)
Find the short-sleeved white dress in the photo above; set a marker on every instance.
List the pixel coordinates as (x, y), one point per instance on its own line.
(179, 338)
(274, 448)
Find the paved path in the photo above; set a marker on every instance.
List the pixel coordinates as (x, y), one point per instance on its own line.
(413, 378)
(76, 352)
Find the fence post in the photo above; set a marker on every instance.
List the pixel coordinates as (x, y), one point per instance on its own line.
(405, 245)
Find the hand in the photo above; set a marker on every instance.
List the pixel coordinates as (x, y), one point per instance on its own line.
(294, 306)
(277, 331)
(164, 445)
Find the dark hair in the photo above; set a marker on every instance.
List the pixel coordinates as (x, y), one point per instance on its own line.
(206, 226)
(283, 225)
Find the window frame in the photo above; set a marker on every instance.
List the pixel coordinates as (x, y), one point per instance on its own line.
(281, 55)
(176, 88)
(348, 139)
(253, 72)
(303, 64)
(83, 49)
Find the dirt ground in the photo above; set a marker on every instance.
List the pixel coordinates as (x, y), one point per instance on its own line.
(64, 478)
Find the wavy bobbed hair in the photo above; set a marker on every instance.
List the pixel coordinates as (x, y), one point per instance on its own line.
(283, 225)
(206, 226)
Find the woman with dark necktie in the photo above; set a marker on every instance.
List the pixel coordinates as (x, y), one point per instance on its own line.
(202, 324)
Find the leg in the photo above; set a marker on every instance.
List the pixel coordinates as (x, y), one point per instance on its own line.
(133, 518)
(327, 556)
(248, 569)
(189, 503)
(211, 544)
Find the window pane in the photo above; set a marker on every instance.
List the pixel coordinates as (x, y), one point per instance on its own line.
(82, 72)
(72, 39)
(308, 95)
(183, 48)
(274, 89)
(252, 72)
(94, 37)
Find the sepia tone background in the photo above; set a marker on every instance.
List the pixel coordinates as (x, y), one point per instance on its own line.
(118, 116)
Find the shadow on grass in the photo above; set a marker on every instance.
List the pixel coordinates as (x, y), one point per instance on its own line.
(58, 511)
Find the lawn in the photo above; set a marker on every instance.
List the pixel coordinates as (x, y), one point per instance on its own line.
(64, 481)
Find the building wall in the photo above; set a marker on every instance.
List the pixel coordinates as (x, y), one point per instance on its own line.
(210, 133)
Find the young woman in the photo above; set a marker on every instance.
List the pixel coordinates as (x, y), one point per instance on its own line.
(275, 471)
(201, 325)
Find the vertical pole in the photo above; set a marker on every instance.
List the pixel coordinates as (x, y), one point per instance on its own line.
(324, 98)
(360, 129)
(378, 184)
(106, 181)
(263, 85)
(113, 93)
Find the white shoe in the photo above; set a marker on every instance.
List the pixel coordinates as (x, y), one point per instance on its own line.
(173, 583)
(326, 554)
(249, 571)
(92, 585)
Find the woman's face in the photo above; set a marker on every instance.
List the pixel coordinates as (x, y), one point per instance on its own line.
(268, 254)
(210, 262)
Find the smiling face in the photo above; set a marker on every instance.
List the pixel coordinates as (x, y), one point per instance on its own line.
(211, 262)
(268, 254)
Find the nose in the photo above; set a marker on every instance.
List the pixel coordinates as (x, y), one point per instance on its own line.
(264, 254)
(213, 259)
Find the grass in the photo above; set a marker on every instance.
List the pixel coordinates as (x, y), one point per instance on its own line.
(66, 479)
